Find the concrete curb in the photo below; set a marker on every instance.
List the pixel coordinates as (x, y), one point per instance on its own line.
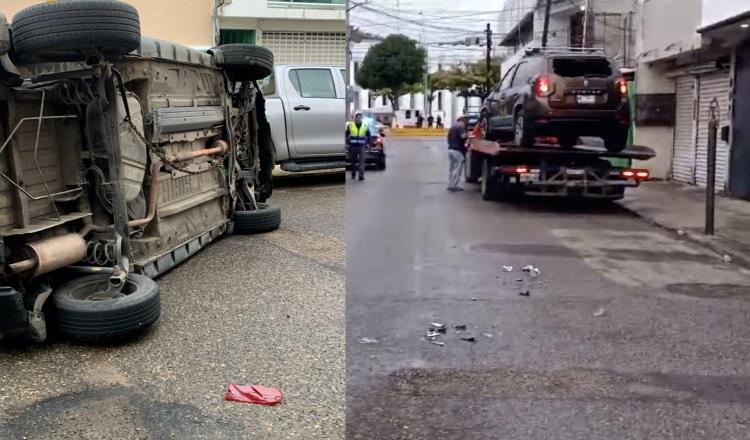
(712, 244)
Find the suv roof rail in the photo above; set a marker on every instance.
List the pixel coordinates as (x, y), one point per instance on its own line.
(530, 50)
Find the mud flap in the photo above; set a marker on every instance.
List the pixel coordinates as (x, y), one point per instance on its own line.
(14, 319)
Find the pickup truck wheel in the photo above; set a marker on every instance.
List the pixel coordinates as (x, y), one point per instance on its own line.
(489, 185)
(83, 315)
(523, 135)
(75, 31)
(616, 141)
(246, 62)
(265, 219)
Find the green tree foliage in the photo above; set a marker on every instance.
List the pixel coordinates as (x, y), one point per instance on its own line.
(467, 79)
(392, 66)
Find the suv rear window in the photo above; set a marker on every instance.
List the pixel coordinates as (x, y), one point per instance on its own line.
(577, 67)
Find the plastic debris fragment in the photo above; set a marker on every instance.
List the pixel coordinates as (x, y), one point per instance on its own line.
(525, 293)
(368, 341)
(253, 394)
(508, 268)
(600, 312)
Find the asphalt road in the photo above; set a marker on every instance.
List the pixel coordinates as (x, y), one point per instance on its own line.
(628, 332)
(265, 309)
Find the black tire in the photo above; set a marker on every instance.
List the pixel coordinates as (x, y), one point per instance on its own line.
(616, 141)
(265, 219)
(485, 132)
(75, 31)
(109, 319)
(489, 185)
(472, 165)
(522, 131)
(246, 62)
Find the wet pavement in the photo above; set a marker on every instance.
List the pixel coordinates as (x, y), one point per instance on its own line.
(266, 309)
(628, 331)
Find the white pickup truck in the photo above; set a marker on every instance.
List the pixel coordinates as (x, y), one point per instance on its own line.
(305, 107)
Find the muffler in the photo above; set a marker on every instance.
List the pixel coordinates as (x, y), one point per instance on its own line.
(50, 254)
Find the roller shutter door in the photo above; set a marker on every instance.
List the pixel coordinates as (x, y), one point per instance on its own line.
(683, 158)
(322, 48)
(712, 85)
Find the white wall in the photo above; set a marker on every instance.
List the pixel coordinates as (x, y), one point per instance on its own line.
(718, 10)
(260, 8)
(660, 37)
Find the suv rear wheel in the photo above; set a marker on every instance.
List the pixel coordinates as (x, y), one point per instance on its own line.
(616, 141)
(523, 135)
(484, 128)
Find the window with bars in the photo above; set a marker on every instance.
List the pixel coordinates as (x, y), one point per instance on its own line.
(322, 48)
(227, 36)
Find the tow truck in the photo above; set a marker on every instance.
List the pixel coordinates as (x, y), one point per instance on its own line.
(507, 172)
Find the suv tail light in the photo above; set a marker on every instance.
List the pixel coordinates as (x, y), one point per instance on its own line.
(543, 86)
(622, 86)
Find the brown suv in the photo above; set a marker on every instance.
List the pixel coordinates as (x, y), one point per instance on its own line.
(560, 94)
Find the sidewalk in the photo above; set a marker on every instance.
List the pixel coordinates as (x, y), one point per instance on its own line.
(681, 208)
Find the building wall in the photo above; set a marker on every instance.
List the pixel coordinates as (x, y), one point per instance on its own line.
(158, 19)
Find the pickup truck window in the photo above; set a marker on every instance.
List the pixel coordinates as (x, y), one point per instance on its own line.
(313, 83)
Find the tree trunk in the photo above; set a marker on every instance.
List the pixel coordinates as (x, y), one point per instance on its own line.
(394, 99)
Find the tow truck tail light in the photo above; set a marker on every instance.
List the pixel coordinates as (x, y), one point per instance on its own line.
(635, 174)
(513, 169)
(622, 86)
(543, 87)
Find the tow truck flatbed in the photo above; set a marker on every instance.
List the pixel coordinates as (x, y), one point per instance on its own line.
(507, 171)
(491, 148)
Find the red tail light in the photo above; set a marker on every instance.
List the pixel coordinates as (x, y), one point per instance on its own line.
(636, 174)
(543, 87)
(622, 86)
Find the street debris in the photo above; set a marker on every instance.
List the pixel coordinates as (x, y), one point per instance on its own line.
(368, 341)
(253, 394)
(681, 232)
(508, 268)
(727, 258)
(600, 312)
(519, 280)
(473, 299)
(467, 337)
(432, 334)
(442, 344)
(438, 327)
(487, 335)
(525, 293)
(534, 271)
(460, 327)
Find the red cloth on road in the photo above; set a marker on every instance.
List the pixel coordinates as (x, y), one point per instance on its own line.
(253, 394)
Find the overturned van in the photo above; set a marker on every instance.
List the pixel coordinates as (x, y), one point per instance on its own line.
(120, 157)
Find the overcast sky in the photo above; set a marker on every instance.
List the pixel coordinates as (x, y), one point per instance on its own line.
(440, 21)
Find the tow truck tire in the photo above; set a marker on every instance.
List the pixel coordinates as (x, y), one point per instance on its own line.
(265, 219)
(472, 170)
(489, 184)
(522, 130)
(616, 141)
(109, 319)
(246, 62)
(75, 31)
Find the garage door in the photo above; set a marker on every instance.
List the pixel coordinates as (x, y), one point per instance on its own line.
(712, 85)
(683, 158)
(322, 48)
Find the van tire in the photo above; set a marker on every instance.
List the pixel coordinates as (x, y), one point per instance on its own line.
(75, 31)
(246, 62)
(265, 219)
(110, 319)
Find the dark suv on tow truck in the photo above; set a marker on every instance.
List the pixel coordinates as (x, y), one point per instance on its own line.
(563, 94)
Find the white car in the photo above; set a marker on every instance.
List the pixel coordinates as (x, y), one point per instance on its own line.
(305, 107)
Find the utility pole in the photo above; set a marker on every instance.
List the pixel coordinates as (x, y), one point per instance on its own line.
(488, 32)
(545, 32)
(586, 22)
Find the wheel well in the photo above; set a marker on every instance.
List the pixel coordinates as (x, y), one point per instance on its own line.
(517, 109)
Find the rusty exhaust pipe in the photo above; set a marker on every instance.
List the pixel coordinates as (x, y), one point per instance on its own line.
(51, 254)
(217, 147)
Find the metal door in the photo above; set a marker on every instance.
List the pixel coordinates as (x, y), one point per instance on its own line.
(683, 157)
(712, 85)
(316, 109)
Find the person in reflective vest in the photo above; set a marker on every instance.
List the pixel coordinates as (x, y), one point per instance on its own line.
(357, 140)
